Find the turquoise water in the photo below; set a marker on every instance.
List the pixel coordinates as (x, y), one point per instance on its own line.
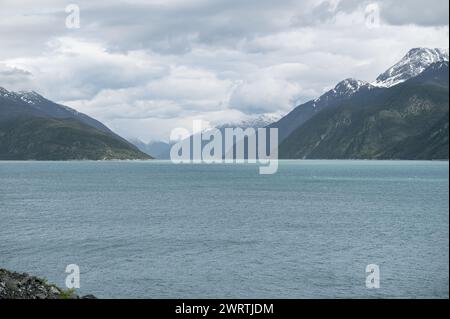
(159, 230)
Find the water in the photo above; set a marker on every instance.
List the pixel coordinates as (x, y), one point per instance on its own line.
(159, 230)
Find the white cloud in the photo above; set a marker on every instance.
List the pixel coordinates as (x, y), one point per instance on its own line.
(144, 67)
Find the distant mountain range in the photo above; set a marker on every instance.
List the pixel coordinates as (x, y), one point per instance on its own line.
(401, 115)
(157, 149)
(256, 121)
(161, 150)
(35, 128)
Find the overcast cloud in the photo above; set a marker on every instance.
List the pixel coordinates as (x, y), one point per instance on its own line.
(144, 67)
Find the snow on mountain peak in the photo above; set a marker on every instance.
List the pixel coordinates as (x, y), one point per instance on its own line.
(254, 121)
(30, 97)
(344, 89)
(412, 64)
(8, 94)
(349, 86)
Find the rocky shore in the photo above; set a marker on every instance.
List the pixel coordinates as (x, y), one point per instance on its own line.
(23, 286)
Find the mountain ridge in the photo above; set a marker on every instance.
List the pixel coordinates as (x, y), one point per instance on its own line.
(352, 88)
(411, 65)
(405, 121)
(40, 106)
(35, 128)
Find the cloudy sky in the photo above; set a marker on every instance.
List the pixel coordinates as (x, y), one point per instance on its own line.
(145, 67)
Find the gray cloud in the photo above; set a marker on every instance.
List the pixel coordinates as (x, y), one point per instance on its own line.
(426, 13)
(162, 62)
(395, 12)
(16, 78)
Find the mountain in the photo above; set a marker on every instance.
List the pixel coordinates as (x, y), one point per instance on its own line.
(156, 149)
(161, 150)
(33, 104)
(412, 64)
(35, 128)
(344, 90)
(257, 121)
(405, 121)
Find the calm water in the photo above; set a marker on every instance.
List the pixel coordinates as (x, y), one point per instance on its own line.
(158, 230)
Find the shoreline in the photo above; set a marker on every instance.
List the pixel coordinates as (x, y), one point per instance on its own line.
(14, 285)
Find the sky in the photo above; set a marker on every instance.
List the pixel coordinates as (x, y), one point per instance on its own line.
(146, 67)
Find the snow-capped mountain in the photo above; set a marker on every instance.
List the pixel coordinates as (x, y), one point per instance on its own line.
(344, 89)
(37, 105)
(412, 64)
(4, 92)
(25, 96)
(35, 128)
(349, 86)
(404, 121)
(32, 98)
(256, 121)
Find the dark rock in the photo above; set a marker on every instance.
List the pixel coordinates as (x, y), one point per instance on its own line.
(23, 286)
